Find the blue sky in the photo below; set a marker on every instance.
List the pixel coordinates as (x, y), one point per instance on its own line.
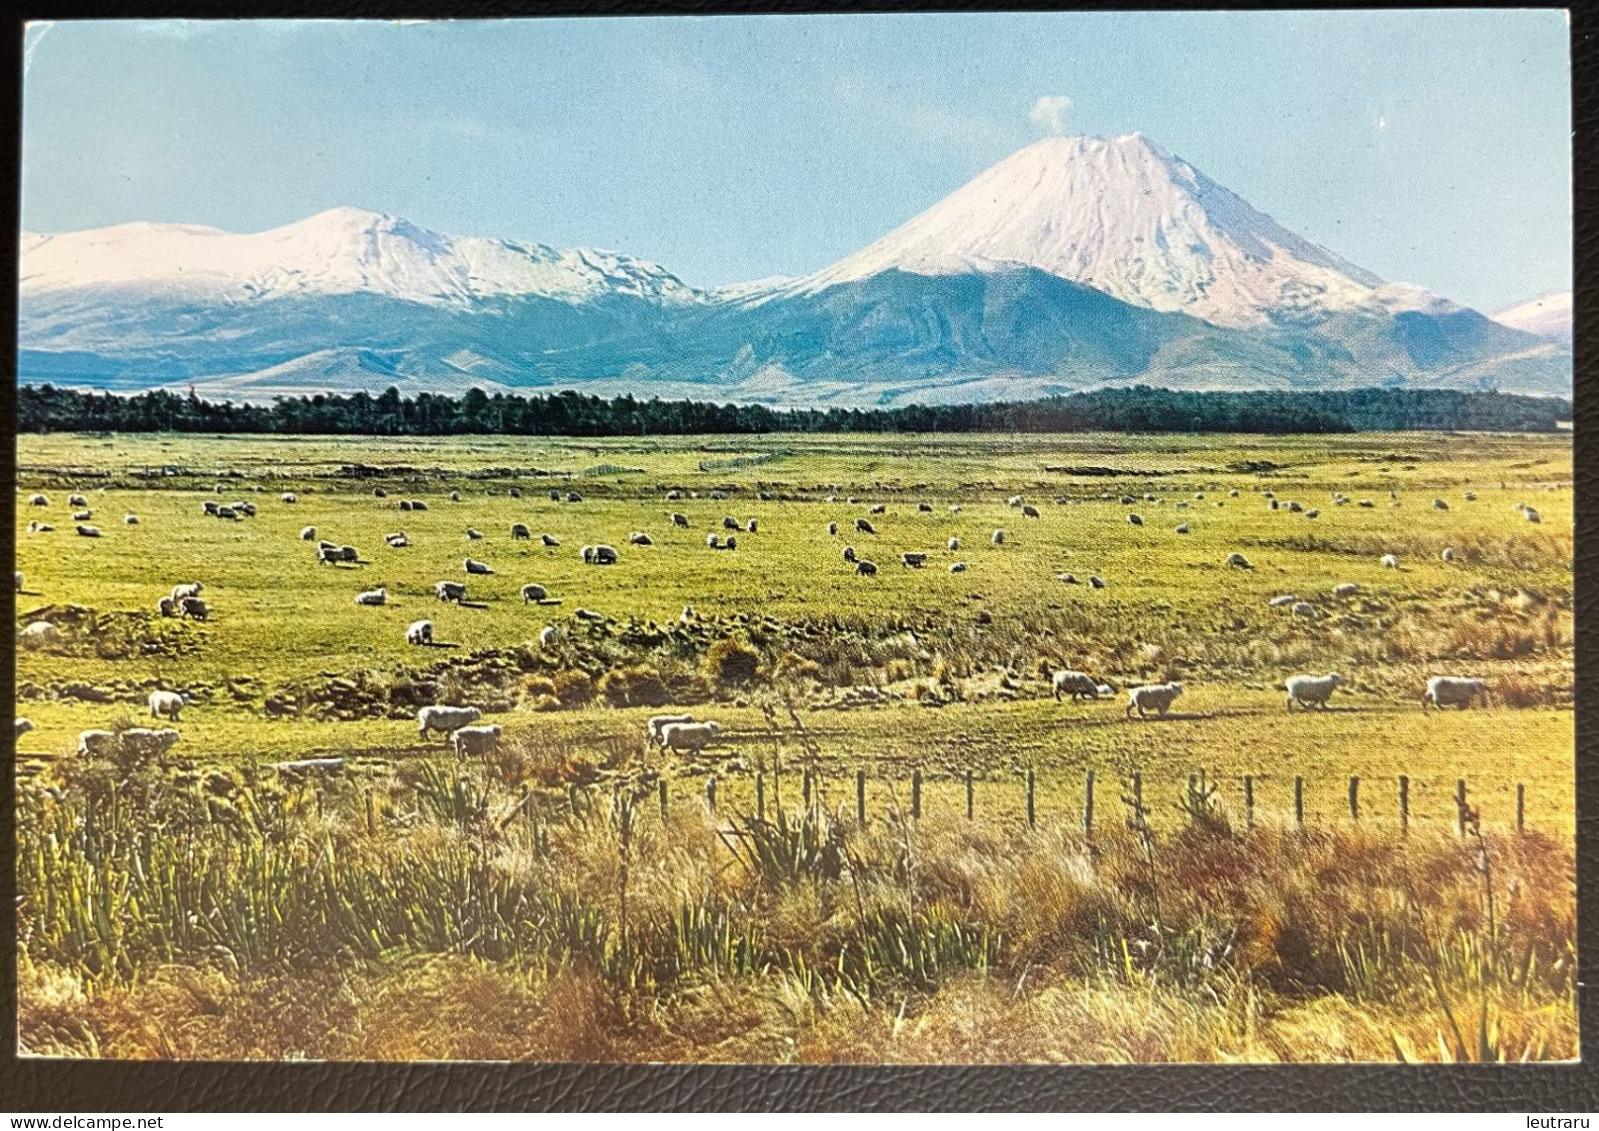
(1429, 147)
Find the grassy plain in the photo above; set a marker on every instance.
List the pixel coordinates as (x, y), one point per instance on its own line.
(911, 670)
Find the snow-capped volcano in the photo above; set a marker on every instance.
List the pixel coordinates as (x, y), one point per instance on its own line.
(338, 252)
(1548, 316)
(1127, 218)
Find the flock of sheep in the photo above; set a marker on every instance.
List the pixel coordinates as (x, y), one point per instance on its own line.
(682, 732)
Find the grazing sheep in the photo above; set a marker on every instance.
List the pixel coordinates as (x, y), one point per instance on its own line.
(77, 501)
(1030, 511)
(38, 501)
(92, 742)
(349, 554)
(1295, 507)
(515, 492)
(1283, 600)
(752, 526)
(1390, 561)
(24, 726)
(1531, 514)
(1346, 589)
(912, 559)
(730, 523)
(532, 592)
(167, 704)
(573, 497)
(549, 540)
(1152, 697)
(82, 516)
(1453, 691)
(1127, 500)
(1471, 496)
(397, 540)
(378, 596)
(548, 635)
(194, 608)
(329, 555)
(446, 719)
(455, 496)
(689, 736)
(832, 529)
(473, 535)
(658, 723)
(1068, 578)
(1182, 505)
(639, 538)
(1079, 685)
(864, 527)
(1367, 503)
(288, 497)
(687, 615)
(1233, 494)
(40, 630)
(866, 568)
(1014, 501)
(997, 538)
(166, 607)
(1274, 504)
(1135, 520)
(955, 509)
(924, 508)
(713, 541)
(849, 553)
(40, 528)
(589, 615)
(88, 531)
(731, 543)
(1303, 609)
(1439, 505)
(555, 496)
(1311, 690)
(418, 505)
(475, 741)
(130, 519)
(679, 519)
(602, 555)
(957, 567)
(472, 565)
(1182, 528)
(1313, 514)
(880, 508)
(673, 495)
(379, 493)
(419, 632)
(519, 531)
(1448, 554)
(308, 533)
(149, 743)
(1237, 561)
(1095, 581)
(449, 590)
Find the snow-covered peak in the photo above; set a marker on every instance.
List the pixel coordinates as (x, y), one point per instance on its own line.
(1548, 316)
(339, 251)
(1127, 217)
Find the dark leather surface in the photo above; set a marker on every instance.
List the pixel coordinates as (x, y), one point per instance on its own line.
(53, 1087)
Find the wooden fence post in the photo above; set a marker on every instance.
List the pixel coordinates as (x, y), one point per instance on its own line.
(1404, 804)
(1299, 802)
(1249, 800)
(1031, 823)
(860, 797)
(1460, 806)
(1521, 806)
(916, 794)
(1354, 798)
(760, 796)
(1088, 805)
(968, 795)
(660, 787)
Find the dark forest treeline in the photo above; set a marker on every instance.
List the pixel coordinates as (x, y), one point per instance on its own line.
(44, 408)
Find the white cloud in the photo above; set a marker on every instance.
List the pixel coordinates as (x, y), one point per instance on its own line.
(1049, 113)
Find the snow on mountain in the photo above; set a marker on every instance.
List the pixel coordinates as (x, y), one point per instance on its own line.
(1548, 316)
(1126, 217)
(338, 252)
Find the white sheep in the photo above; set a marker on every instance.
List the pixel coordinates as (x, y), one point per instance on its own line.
(130, 519)
(1014, 501)
(548, 636)
(149, 743)
(378, 596)
(77, 501)
(1531, 514)
(1448, 554)
(449, 590)
(445, 719)
(751, 527)
(1079, 685)
(455, 496)
(1453, 691)
(166, 607)
(519, 531)
(397, 540)
(40, 528)
(473, 535)
(912, 559)
(1303, 609)
(532, 592)
(1283, 600)
(712, 541)
(82, 516)
(589, 615)
(420, 632)
(957, 567)
(475, 741)
(997, 538)
(1311, 690)
(954, 545)
(1238, 561)
(658, 723)
(639, 538)
(24, 726)
(1095, 581)
(955, 508)
(1152, 697)
(1346, 589)
(40, 630)
(1182, 528)
(88, 531)
(167, 704)
(308, 533)
(472, 565)
(601, 555)
(689, 736)
(96, 742)
(1390, 561)
(38, 501)
(288, 497)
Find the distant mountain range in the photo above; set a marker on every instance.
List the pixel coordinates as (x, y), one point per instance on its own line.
(1075, 263)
